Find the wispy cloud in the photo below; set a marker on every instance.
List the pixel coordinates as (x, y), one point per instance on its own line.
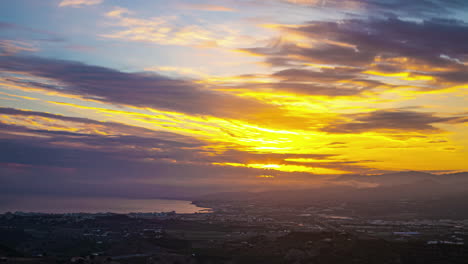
(10, 47)
(206, 7)
(79, 3)
(168, 31)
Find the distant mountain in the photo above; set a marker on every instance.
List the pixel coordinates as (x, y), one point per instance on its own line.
(454, 177)
(400, 178)
(392, 186)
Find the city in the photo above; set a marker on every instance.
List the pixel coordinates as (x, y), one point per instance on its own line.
(233, 232)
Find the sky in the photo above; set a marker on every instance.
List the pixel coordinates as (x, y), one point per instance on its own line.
(170, 98)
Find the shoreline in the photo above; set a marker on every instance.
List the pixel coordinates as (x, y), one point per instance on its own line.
(117, 206)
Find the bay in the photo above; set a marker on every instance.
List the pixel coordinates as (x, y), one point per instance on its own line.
(97, 205)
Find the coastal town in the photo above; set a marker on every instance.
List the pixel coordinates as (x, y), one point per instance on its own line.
(231, 232)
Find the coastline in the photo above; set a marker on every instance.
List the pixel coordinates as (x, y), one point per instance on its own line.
(99, 205)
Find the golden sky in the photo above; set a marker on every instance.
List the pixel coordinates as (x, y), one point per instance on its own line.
(230, 93)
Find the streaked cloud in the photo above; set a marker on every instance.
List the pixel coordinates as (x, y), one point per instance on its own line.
(149, 89)
(79, 3)
(10, 47)
(391, 120)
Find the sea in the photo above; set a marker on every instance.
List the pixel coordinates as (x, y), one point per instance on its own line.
(98, 205)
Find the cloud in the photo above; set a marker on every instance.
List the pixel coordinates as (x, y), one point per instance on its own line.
(325, 75)
(117, 12)
(10, 47)
(70, 149)
(323, 54)
(359, 42)
(95, 127)
(168, 30)
(77, 147)
(137, 89)
(427, 55)
(181, 72)
(392, 120)
(324, 82)
(311, 163)
(318, 89)
(205, 7)
(421, 8)
(327, 81)
(148, 163)
(79, 3)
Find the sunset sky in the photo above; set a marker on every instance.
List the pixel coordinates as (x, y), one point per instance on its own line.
(142, 98)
